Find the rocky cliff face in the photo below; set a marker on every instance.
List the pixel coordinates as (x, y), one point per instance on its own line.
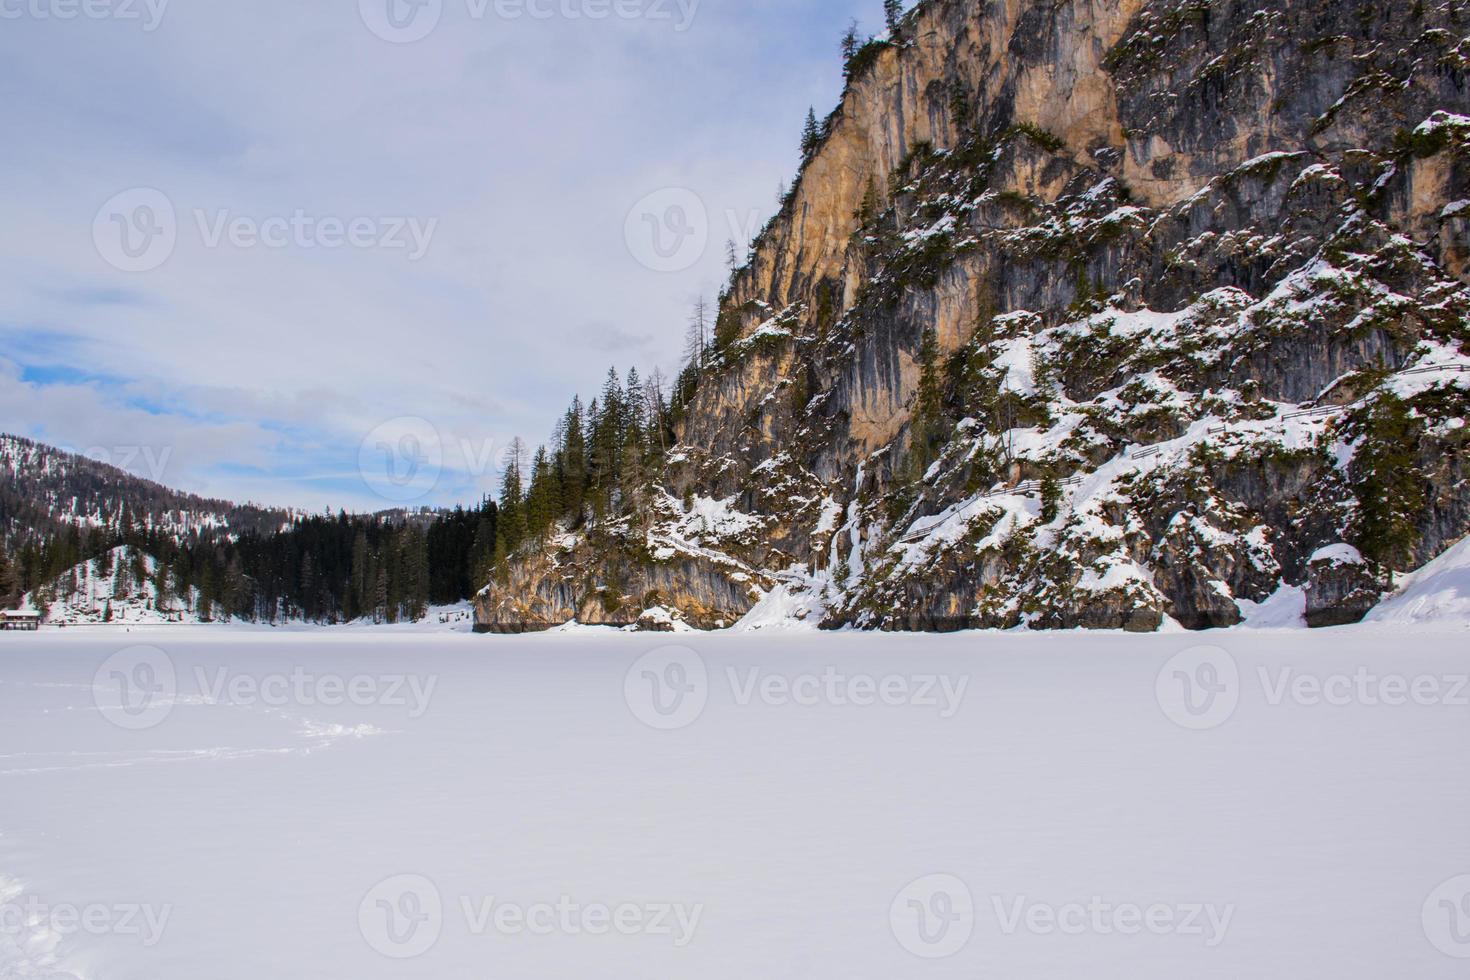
(1083, 314)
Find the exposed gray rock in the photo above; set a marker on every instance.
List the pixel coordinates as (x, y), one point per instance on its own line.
(1341, 591)
(1142, 237)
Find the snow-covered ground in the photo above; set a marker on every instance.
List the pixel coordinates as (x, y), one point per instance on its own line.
(359, 805)
(1437, 593)
(121, 587)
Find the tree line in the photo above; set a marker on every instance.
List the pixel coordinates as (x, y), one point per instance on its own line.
(600, 465)
(387, 567)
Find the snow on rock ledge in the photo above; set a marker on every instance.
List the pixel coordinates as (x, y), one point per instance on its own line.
(1439, 593)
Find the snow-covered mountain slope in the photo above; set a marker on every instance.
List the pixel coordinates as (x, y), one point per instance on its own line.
(125, 585)
(1439, 593)
(128, 587)
(1104, 316)
(44, 489)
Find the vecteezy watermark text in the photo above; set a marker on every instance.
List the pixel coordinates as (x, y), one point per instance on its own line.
(138, 230)
(669, 688)
(934, 917)
(1364, 686)
(940, 692)
(139, 687)
(26, 916)
(1207, 922)
(149, 13)
(149, 461)
(404, 916)
(1202, 687)
(302, 688)
(407, 21)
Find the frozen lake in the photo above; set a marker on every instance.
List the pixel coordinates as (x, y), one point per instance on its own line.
(231, 805)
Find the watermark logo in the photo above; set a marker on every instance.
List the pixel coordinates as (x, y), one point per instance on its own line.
(933, 917)
(401, 21)
(402, 917)
(668, 230)
(1199, 688)
(406, 916)
(671, 687)
(135, 689)
(401, 460)
(668, 688)
(1447, 918)
(136, 230)
(147, 12)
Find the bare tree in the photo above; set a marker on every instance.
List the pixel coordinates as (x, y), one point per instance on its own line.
(515, 460)
(655, 405)
(696, 339)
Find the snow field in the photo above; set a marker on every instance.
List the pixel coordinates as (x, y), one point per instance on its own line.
(1269, 803)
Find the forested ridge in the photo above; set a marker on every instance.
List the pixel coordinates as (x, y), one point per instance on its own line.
(59, 511)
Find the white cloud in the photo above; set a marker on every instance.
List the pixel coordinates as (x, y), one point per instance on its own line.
(527, 141)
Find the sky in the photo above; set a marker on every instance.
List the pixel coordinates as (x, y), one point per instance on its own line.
(337, 253)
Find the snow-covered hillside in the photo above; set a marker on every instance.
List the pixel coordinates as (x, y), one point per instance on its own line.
(49, 489)
(1439, 593)
(124, 586)
(128, 588)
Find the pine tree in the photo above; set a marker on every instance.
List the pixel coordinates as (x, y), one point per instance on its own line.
(1051, 497)
(732, 255)
(928, 407)
(415, 573)
(162, 587)
(8, 593)
(380, 595)
(893, 15)
(811, 135)
(605, 446)
(1389, 484)
(850, 43)
(868, 213)
(573, 465)
(543, 504)
(632, 475)
(237, 594)
(960, 110)
(359, 592)
(122, 579)
(633, 403)
(511, 517)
